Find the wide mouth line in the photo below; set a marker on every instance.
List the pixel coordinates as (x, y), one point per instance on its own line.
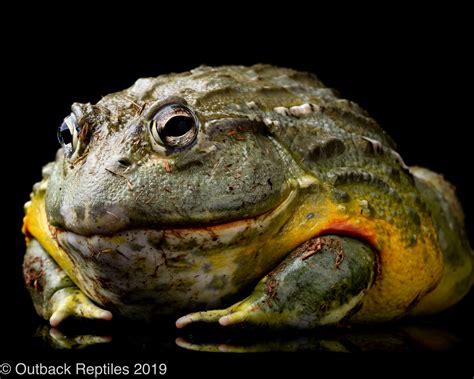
(210, 228)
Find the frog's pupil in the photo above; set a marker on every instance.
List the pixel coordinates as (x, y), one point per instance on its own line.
(177, 126)
(64, 134)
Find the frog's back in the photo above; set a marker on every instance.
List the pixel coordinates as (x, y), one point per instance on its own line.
(367, 189)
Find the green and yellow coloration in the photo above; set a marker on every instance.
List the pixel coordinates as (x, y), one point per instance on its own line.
(184, 192)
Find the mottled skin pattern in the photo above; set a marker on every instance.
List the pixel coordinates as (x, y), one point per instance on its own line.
(279, 160)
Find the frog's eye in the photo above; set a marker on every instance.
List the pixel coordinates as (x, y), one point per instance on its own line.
(68, 134)
(174, 126)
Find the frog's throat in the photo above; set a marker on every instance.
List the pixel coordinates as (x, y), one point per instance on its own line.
(60, 243)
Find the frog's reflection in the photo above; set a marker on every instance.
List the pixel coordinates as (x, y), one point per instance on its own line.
(401, 338)
(394, 338)
(56, 339)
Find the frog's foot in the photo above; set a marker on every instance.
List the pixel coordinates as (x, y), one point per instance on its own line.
(322, 282)
(71, 302)
(240, 312)
(54, 294)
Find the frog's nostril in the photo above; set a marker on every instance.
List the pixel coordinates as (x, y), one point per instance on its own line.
(124, 162)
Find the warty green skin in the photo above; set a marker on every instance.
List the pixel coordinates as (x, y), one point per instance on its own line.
(262, 129)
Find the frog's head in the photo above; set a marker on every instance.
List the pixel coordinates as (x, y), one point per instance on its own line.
(188, 150)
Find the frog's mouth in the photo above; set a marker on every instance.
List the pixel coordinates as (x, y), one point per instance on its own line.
(184, 239)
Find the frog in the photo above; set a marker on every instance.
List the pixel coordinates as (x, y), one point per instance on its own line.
(239, 195)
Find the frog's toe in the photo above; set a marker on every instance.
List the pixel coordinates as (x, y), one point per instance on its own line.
(206, 316)
(71, 302)
(239, 316)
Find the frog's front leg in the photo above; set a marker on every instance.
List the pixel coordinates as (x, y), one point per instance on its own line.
(54, 295)
(321, 282)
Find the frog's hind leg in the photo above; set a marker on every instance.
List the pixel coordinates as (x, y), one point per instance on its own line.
(322, 282)
(54, 295)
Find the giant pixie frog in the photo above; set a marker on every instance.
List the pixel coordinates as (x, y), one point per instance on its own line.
(239, 195)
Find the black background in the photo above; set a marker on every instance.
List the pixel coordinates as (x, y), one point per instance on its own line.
(411, 70)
